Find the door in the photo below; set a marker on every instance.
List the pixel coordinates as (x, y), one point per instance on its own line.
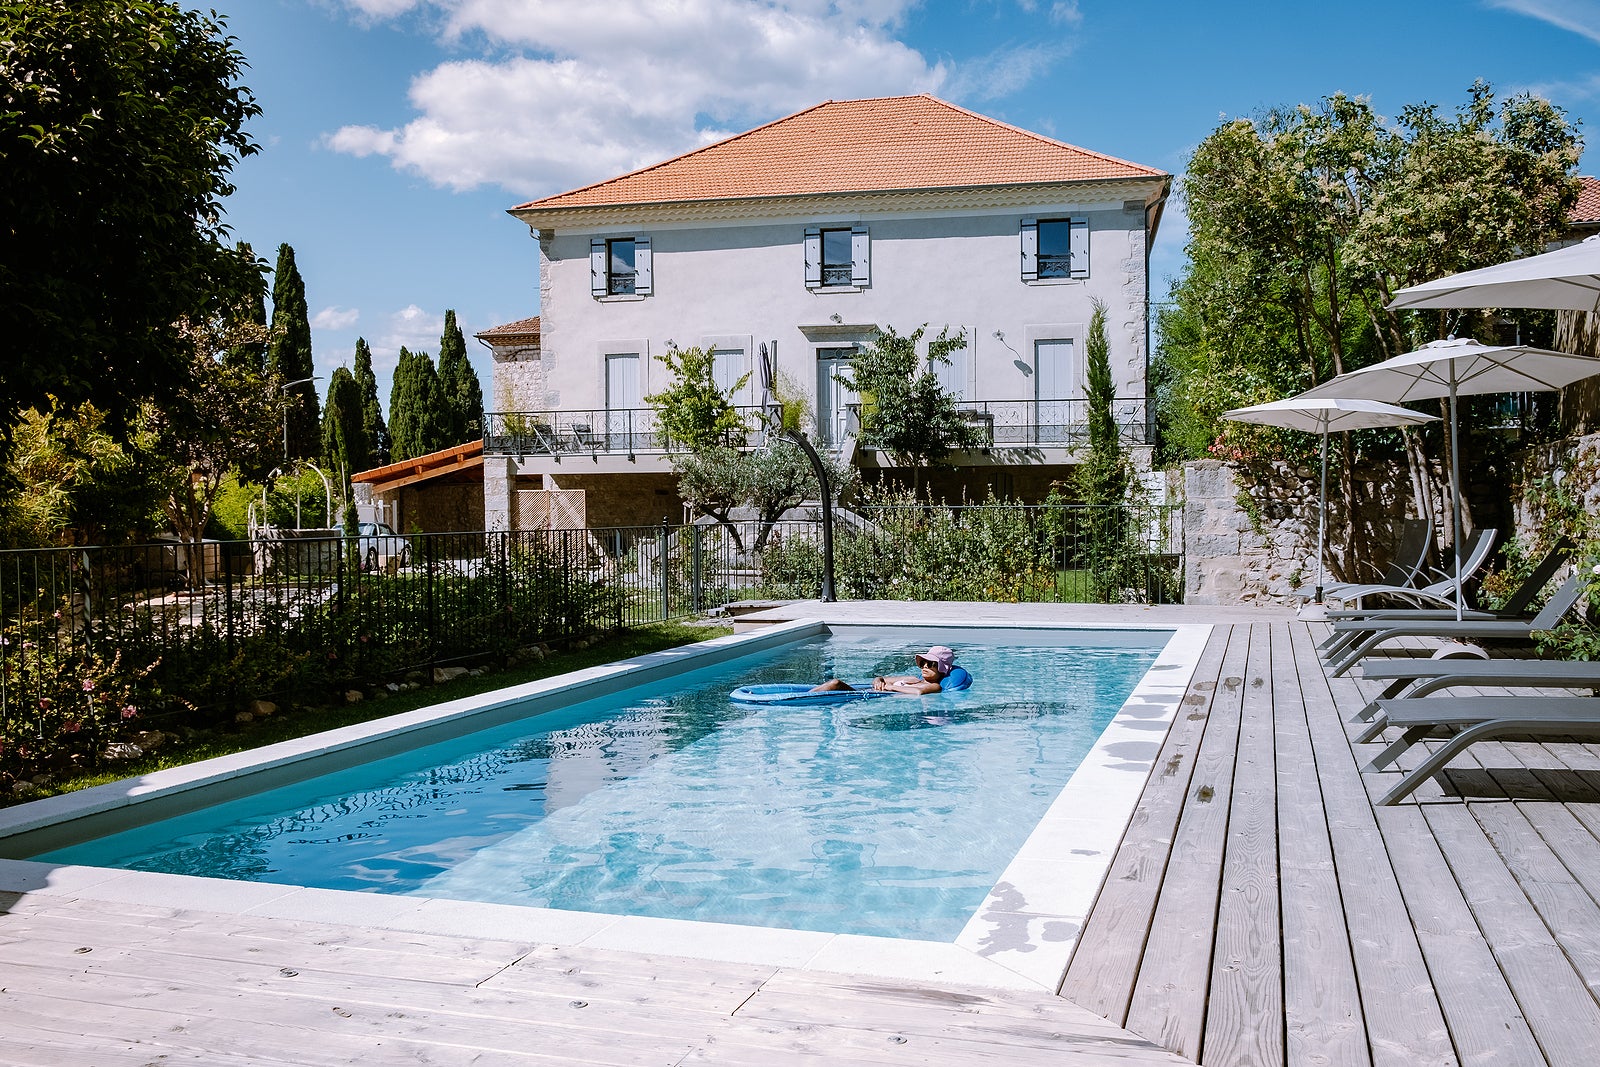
(834, 398)
(623, 399)
(727, 367)
(1057, 391)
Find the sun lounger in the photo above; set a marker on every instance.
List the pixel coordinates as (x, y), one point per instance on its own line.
(1348, 626)
(1482, 718)
(1561, 601)
(1410, 557)
(1417, 678)
(1441, 592)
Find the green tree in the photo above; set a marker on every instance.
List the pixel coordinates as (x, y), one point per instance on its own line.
(252, 304)
(416, 407)
(1303, 223)
(372, 423)
(905, 411)
(120, 122)
(1103, 480)
(458, 382)
(345, 448)
(692, 413)
(289, 356)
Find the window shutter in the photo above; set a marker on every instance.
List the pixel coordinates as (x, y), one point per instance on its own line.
(813, 256)
(641, 266)
(1078, 236)
(860, 255)
(597, 266)
(1030, 250)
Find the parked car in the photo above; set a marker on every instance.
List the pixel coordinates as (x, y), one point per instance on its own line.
(376, 541)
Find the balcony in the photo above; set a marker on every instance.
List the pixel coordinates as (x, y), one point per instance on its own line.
(1002, 424)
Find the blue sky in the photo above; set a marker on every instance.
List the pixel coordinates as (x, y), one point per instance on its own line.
(396, 133)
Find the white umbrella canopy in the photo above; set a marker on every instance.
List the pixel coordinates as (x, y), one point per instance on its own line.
(1452, 368)
(1567, 279)
(1324, 415)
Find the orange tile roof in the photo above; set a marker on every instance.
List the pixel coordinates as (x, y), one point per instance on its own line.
(1587, 209)
(523, 331)
(895, 142)
(434, 464)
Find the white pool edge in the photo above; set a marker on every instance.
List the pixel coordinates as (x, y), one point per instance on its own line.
(1021, 938)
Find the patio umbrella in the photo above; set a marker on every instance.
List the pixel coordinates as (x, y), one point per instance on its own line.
(1453, 368)
(1324, 415)
(1567, 279)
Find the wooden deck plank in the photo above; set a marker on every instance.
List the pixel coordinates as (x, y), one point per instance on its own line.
(1558, 1008)
(1244, 1017)
(1169, 997)
(1322, 1005)
(1405, 1024)
(1104, 966)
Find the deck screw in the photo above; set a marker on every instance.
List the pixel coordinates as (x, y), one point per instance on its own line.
(287, 972)
(896, 1039)
(81, 951)
(578, 1004)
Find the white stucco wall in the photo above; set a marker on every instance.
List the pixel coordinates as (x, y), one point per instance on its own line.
(741, 284)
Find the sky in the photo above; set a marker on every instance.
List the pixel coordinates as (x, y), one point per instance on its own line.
(395, 134)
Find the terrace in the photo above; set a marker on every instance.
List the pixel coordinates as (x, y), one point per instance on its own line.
(1259, 909)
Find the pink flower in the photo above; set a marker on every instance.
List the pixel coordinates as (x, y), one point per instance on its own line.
(129, 711)
(88, 685)
(71, 726)
(44, 703)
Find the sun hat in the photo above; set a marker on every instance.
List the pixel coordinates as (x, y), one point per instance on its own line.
(941, 657)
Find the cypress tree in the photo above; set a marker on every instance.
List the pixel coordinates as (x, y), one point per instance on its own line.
(416, 407)
(289, 355)
(252, 355)
(1105, 479)
(345, 448)
(458, 382)
(372, 423)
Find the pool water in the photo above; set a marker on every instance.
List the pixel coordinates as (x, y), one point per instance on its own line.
(891, 816)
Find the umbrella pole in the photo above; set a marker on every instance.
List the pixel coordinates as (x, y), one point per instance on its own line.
(1455, 496)
(1322, 513)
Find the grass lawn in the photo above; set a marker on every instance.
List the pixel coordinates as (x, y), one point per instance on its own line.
(290, 724)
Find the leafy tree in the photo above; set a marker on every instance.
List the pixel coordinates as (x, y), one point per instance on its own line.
(722, 481)
(120, 122)
(345, 448)
(376, 430)
(905, 411)
(289, 355)
(692, 413)
(1104, 480)
(253, 310)
(416, 407)
(225, 417)
(1303, 223)
(458, 383)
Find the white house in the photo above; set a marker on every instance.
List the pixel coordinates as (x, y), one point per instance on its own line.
(808, 234)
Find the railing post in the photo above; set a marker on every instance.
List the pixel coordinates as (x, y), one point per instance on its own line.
(428, 569)
(694, 541)
(666, 576)
(227, 598)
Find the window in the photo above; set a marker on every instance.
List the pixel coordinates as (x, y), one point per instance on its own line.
(727, 371)
(1055, 249)
(837, 257)
(619, 266)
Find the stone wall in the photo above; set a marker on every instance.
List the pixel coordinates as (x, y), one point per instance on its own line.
(1571, 464)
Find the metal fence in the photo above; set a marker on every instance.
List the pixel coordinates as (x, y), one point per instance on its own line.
(93, 637)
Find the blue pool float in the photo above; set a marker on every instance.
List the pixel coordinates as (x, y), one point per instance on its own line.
(799, 693)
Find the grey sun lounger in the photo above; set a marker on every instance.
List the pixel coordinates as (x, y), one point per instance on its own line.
(1349, 625)
(1441, 593)
(1410, 557)
(1426, 676)
(1561, 601)
(1482, 718)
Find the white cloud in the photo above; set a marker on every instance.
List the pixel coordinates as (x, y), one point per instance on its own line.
(1065, 13)
(1575, 16)
(411, 327)
(570, 96)
(335, 318)
(381, 9)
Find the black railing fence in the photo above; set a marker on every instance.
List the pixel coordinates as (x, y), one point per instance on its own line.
(99, 643)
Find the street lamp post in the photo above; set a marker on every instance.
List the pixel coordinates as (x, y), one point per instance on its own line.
(284, 389)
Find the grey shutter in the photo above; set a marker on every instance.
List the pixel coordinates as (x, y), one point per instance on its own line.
(1030, 250)
(1078, 243)
(641, 266)
(813, 256)
(860, 255)
(597, 266)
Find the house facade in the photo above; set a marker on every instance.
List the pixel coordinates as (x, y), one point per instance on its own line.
(808, 235)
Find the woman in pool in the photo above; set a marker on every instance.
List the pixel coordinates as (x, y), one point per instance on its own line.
(937, 673)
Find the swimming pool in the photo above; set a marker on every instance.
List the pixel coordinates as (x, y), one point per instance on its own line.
(585, 791)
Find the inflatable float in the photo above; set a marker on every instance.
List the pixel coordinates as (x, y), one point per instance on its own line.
(799, 693)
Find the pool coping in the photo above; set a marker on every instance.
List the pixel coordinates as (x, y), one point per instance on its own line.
(1022, 937)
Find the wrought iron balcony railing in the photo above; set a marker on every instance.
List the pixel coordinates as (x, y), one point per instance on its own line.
(636, 431)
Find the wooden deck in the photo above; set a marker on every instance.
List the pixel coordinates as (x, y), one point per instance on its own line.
(1259, 911)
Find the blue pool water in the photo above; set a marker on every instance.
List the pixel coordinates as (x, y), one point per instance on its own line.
(892, 816)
